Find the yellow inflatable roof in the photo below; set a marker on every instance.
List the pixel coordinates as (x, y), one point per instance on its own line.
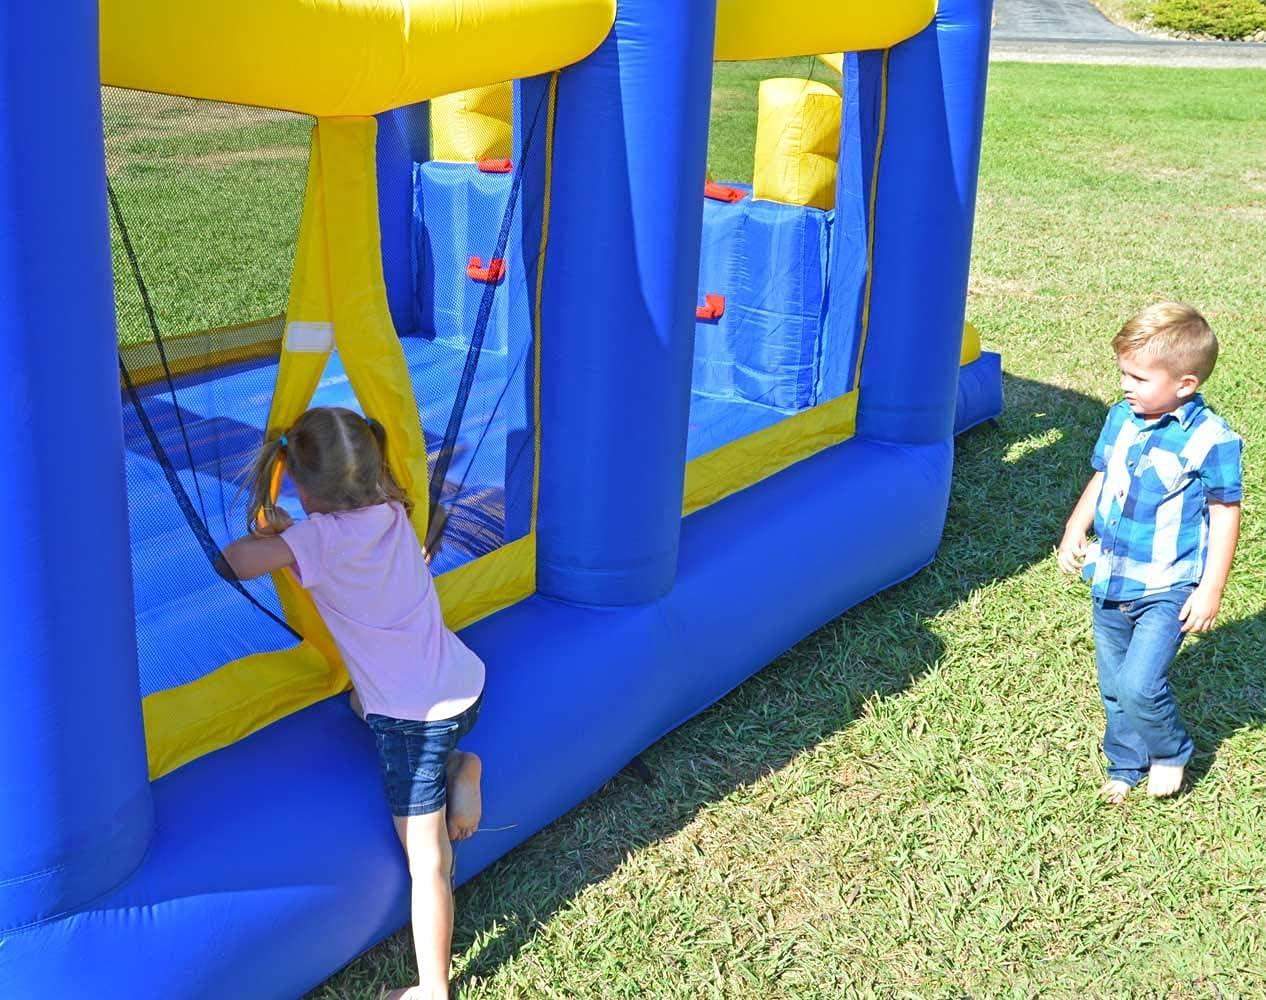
(770, 29)
(340, 57)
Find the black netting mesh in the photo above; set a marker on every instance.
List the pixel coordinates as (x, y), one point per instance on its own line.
(210, 195)
(470, 338)
(206, 201)
(763, 346)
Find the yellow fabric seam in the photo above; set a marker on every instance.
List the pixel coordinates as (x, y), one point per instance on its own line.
(871, 221)
(536, 306)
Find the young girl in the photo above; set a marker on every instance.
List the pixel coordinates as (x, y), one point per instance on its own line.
(420, 687)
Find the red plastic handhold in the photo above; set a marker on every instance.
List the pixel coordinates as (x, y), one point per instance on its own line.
(720, 192)
(495, 166)
(714, 307)
(491, 274)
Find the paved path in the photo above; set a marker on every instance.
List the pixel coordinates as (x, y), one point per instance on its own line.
(1074, 31)
(1055, 20)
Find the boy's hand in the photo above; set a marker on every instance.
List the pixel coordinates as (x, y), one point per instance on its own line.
(1071, 554)
(1201, 609)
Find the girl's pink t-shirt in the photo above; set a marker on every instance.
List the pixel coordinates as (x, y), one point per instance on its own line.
(365, 572)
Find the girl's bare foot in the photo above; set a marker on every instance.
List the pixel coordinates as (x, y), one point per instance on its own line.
(1164, 780)
(1114, 792)
(464, 803)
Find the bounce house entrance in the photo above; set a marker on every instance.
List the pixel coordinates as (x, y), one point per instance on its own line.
(211, 197)
(219, 348)
(781, 281)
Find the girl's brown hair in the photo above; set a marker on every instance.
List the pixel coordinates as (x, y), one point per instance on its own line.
(336, 456)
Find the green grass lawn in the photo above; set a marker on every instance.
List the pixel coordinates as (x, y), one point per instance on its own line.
(903, 804)
(211, 195)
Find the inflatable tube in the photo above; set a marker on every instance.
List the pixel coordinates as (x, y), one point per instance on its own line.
(335, 57)
(75, 811)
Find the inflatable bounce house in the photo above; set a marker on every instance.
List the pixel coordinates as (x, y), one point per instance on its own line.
(657, 427)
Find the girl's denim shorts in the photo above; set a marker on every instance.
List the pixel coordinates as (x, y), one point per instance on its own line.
(413, 758)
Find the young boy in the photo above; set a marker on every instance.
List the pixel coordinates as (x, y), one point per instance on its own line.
(1165, 504)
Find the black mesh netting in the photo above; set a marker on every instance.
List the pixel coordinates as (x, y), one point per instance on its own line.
(469, 339)
(206, 202)
(210, 196)
(765, 347)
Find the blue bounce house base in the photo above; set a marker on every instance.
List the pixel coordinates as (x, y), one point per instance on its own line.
(281, 843)
(258, 869)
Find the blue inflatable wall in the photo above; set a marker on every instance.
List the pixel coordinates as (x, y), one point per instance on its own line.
(258, 870)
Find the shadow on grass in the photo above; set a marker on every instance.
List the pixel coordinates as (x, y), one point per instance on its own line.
(1220, 688)
(1014, 485)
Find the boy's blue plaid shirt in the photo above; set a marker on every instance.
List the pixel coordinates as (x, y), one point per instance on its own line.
(1152, 516)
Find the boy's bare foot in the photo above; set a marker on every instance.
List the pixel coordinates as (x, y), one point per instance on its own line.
(464, 803)
(1114, 792)
(1164, 780)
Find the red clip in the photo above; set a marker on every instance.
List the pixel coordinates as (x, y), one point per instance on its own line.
(491, 274)
(714, 309)
(719, 192)
(495, 166)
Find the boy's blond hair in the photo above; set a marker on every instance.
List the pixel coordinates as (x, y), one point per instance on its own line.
(1174, 334)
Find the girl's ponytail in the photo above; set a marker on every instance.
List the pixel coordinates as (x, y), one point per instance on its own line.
(263, 481)
(387, 487)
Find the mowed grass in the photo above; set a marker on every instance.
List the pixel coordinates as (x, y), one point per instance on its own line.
(211, 196)
(903, 804)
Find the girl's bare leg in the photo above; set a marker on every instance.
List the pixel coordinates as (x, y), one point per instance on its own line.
(425, 840)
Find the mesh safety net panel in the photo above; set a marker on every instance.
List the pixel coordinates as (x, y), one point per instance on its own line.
(764, 349)
(211, 196)
(469, 334)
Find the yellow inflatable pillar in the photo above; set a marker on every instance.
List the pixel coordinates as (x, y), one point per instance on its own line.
(797, 142)
(473, 125)
(971, 345)
(338, 298)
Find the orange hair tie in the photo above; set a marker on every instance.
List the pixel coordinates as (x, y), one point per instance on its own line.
(274, 486)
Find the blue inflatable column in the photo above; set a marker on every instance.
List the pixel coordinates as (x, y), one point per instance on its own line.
(403, 139)
(629, 161)
(925, 206)
(75, 806)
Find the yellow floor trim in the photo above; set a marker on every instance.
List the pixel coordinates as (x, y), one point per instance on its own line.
(757, 456)
(204, 350)
(183, 723)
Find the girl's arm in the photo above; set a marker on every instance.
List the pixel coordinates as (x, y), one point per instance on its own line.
(1203, 605)
(263, 552)
(1072, 548)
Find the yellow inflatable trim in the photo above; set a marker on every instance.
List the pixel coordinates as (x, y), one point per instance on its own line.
(971, 344)
(185, 722)
(473, 125)
(757, 456)
(797, 142)
(341, 57)
(205, 350)
(771, 29)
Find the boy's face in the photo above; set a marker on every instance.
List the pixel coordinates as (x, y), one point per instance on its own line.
(1152, 389)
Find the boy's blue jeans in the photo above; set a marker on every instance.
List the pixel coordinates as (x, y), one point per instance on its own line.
(1135, 644)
